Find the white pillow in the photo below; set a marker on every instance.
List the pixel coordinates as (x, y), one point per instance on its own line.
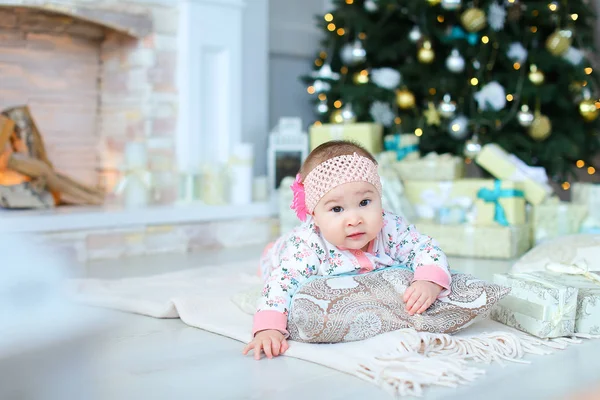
(564, 250)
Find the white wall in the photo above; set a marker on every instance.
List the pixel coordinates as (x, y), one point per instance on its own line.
(279, 45)
(293, 44)
(255, 80)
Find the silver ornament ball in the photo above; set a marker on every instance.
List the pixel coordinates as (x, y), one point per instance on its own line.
(458, 127)
(371, 6)
(348, 114)
(321, 86)
(447, 107)
(455, 62)
(451, 5)
(472, 147)
(525, 116)
(322, 108)
(415, 34)
(353, 53)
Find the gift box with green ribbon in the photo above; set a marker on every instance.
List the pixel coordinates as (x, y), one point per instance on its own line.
(538, 305)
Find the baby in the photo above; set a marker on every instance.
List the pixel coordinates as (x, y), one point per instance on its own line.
(345, 230)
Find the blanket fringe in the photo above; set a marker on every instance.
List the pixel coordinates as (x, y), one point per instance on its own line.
(427, 359)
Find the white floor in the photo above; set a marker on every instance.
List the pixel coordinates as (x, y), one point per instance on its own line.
(147, 358)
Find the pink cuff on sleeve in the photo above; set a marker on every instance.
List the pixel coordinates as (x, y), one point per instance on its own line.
(435, 274)
(270, 320)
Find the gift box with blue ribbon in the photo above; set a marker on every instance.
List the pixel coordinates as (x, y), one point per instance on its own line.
(478, 201)
(406, 146)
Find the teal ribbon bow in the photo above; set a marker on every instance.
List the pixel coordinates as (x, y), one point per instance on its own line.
(393, 143)
(404, 151)
(459, 33)
(494, 196)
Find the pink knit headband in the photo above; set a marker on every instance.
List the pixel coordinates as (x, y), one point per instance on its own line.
(328, 175)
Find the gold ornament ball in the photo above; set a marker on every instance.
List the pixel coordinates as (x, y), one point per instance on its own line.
(540, 128)
(473, 19)
(336, 117)
(405, 99)
(433, 2)
(559, 42)
(535, 75)
(360, 78)
(588, 110)
(425, 54)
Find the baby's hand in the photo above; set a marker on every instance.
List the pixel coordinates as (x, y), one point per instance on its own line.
(420, 295)
(271, 341)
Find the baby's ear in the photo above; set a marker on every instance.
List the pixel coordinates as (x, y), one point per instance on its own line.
(314, 219)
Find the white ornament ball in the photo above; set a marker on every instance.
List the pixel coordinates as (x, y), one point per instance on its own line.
(415, 34)
(525, 116)
(472, 147)
(455, 62)
(451, 5)
(322, 108)
(458, 127)
(371, 6)
(353, 53)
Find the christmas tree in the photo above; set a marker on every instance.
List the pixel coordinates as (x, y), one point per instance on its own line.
(462, 74)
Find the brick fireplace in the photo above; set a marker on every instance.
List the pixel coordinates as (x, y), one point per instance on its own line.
(95, 75)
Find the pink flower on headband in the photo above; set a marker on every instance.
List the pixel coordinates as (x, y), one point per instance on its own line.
(299, 202)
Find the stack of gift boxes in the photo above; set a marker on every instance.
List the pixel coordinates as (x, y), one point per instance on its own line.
(500, 217)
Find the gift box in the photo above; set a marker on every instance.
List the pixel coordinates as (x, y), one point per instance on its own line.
(432, 167)
(406, 146)
(483, 201)
(588, 195)
(496, 242)
(537, 305)
(555, 218)
(507, 167)
(368, 135)
(393, 197)
(587, 317)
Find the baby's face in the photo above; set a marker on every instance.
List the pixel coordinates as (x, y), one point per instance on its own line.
(350, 215)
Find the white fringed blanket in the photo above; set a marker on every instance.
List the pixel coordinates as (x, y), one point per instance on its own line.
(218, 299)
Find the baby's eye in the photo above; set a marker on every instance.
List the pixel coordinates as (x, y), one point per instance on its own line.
(365, 202)
(337, 209)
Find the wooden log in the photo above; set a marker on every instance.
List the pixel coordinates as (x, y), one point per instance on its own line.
(69, 190)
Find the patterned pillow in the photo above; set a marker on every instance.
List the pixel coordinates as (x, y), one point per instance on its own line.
(566, 250)
(349, 308)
